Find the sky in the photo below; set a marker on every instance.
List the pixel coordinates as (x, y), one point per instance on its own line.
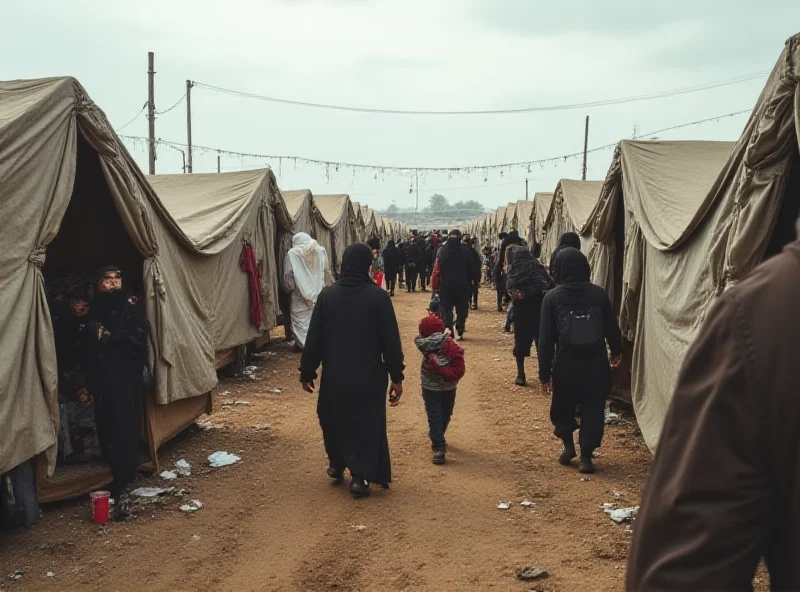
(442, 55)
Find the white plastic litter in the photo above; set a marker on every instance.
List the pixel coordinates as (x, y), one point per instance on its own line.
(223, 459)
(620, 515)
(358, 527)
(527, 504)
(50, 574)
(168, 475)
(503, 506)
(184, 468)
(192, 506)
(16, 574)
(276, 391)
(151, 491)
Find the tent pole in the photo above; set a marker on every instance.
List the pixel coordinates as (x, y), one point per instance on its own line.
(189, 125)
(585, 147)
(151, 113)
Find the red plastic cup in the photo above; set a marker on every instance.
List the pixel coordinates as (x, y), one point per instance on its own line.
(100, 506)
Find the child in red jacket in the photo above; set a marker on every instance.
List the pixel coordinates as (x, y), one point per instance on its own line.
(442, 367)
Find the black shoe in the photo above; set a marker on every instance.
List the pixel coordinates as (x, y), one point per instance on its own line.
(439, 457)
(567, 454)
(506, 329)
(359, 487)
(335, 474)
(520, 381)
(587, 466)
(391, 294)
(500, 309)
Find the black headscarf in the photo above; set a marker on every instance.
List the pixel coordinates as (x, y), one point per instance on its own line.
(567, 240)
(356, 263)
(572, 267)
(453, 255)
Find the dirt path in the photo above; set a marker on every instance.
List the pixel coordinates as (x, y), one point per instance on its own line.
(274, 522)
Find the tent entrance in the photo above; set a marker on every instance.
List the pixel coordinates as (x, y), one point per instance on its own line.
(91, 236)
(785, 230)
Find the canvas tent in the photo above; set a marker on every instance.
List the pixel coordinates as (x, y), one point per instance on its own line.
(72, 195)
(573, 202)
(370, 227)
(524, 222)
(337, 213)
(300, 205)
(679, 222)
(360, 222)
(541, 208)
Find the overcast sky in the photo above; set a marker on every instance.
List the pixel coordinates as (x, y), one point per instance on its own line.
(410, 55)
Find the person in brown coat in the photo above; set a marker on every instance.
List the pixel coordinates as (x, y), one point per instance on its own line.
(724, 491)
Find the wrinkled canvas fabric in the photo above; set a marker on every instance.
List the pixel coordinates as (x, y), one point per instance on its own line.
(698, 218)
(40, 121)
(570, 208)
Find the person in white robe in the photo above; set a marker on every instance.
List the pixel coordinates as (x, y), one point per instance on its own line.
(304, 278)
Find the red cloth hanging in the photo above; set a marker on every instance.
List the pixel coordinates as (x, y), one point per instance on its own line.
(247, 261)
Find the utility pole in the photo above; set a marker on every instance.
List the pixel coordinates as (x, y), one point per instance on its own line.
(219, 170)
(526, 188)
(416, 182)
(189, 124)
(585, 147)
(151, 113)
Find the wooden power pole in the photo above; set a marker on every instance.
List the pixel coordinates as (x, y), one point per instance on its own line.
(151, 113)
(526, 188)
(219, 169)
(189, 125)
(585, 147)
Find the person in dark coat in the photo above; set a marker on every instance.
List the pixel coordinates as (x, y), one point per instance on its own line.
(512, 238)
(429, 254)
(392, 262)
(414, 262)
(401, 247)
(577, 321)
(374, 243)
(354, 335)
(117, 348)
(568, 239)
(476, 282)
(453, 273)
(527, 283)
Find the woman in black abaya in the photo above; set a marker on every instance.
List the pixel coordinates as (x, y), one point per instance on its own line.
(354, 335)
(117, 344)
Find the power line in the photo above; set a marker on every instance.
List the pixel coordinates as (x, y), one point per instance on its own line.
(179, 101)
(476, 168)
(135, 117)
(565, 107)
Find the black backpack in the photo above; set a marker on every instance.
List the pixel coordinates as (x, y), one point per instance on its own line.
(581, 330)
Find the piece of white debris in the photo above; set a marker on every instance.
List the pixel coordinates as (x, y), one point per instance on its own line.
(527, 574)
(503, 506)
(192, 506)
(49, 574)
(184, 468)
(586, 479)
(151, 491)
(261, 426)
(16, 574)
(223, 459)
(621, 515)
(225, 394)
(196, 537)
(358, 527)
(168, 475)
(242, 403)
(251, 368)
(276, 391)
(527, 504)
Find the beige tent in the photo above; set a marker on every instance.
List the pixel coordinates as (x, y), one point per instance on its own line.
(541, 208)
(524, 221)
(573, 202)
(370, 226)
(339, 218)
(679, 221)
(300, 205)
(361, 229)
(79, 200)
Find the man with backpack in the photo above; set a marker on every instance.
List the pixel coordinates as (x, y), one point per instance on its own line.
(576, 323)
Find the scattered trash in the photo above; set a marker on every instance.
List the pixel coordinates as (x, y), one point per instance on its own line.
(358, 527)
(184, 468)
(242, 403)
(168, 475)
(527, 574)
(586, 479)
(251, 369)
(16, 574)
(618, 495)
(196, 537)
(611, 417)
(223, 459)
(49, 574)
(276, 391)
(527, 504)
(503, 506)
(225, 394)
(151, 491)
(192, 506)
(620, 515)
(262, 426)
